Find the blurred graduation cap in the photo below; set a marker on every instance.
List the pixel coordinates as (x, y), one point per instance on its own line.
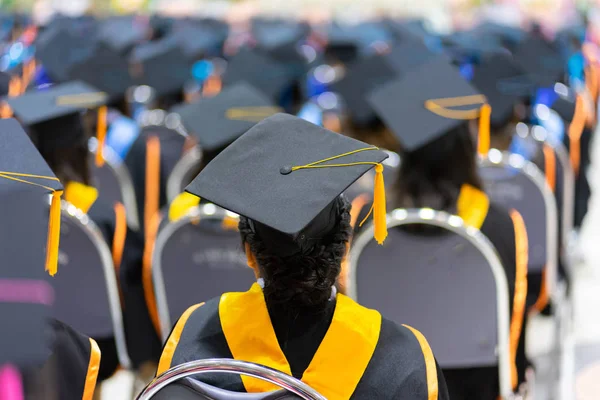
(278, 35)
(285, 174)
(54, 114)
(198, 40)
(24, 173)
(360, 79)
(106, 70)
(163, 66)
(343, 43)
(506, 35)
(503, 83)
(59, 48)
(465, 46)
(217, 121)
(540, 60)
(409, 54)
(427, 102)
(123, 32)
(262, 72)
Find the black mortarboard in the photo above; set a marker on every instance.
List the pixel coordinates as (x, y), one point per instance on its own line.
(465, 46)
(162, 66)
(106, 70)
(506, 35)
(262, 72)
(540, 60)
(123, 32)
(409, 54)
(426, 103)
(58, 49)
(217, 121)
(277, 35)
(361, 78)
(198, 40)
(343, 43)
(23, 168)
(58, 101)
(285, 174)
(503, 83)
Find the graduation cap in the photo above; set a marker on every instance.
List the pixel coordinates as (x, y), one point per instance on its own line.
(343, 43)
(123, 32)
(106, 70)
(217, 121)
(54, 114)
(429, 101)
(503, 83)
(508, 36)
(22, 168)
(58, 49)
(278, 35)
(198, 40)
(262, 72)
(163, 66)
(465, 46)
(409, 54)
(361, 78)
(540, 60)
(285, 174)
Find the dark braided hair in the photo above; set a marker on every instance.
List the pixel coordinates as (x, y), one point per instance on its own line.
(303, 280)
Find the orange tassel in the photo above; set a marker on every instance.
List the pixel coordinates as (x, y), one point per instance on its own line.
(485, 113)
(575, 131)
(53, 234)
(379, 206)
(101, 135)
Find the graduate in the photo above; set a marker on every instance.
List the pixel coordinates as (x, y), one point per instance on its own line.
(213, 123)
(439, 171)
(284, 177)
(40, 357)
(54, 122)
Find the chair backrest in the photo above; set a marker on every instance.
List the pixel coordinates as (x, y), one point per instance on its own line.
(518, 184)
(87, 296)
(441, 277)
(195, 259)
(197, 390)
(114, 184)
(566, 187)
(183, 172)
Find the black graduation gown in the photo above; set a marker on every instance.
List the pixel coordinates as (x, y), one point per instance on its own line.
(396, 368)
(70, 371)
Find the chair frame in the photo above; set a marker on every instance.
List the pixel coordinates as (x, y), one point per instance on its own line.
(125, 183)
(202, 212)
(190, 159)
(229, 366)
(498, 159)
(82, 220)
(456, 225)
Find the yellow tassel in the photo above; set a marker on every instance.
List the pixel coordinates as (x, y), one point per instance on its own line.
(484, 129)
(379, 206)
(53, 234)
(101, 135)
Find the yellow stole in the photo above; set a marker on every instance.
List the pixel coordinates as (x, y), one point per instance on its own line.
(181, 205)
(472, 206)
(339, 362)
(80, 195)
